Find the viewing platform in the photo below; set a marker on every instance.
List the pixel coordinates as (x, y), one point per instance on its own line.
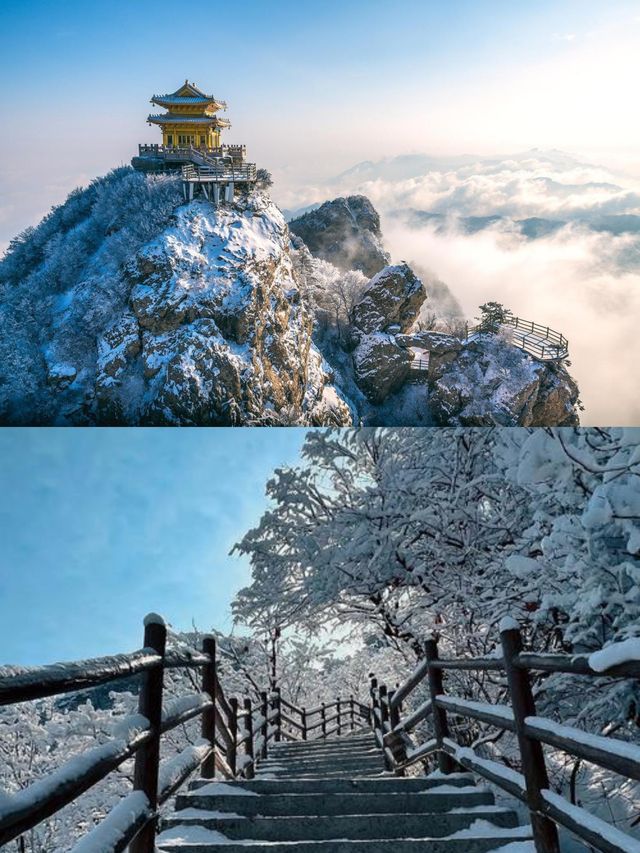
(174, 155)
(217, 182)
(214, 173)
(539, 341)
(429, 347)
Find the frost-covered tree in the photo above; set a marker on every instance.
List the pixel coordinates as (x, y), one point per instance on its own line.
(493, 315)
(69, 271)
(402, 532)
(401, 529)
(582, 549)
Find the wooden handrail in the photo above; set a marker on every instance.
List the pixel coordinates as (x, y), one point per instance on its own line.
(39, 682)
(416, 678)
(34, 804)
(291, 722)
(183, 660)
(26, 809)
(181, 717)
(554, 345)
(547, 810)
(575, 664)
(291, 706)
(476, 664)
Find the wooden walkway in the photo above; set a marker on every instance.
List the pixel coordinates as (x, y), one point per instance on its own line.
(246, 737)
(215, 173)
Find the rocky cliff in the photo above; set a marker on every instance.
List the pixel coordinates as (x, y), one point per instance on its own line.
(346, 232)
(479, 382)
(488, 382)
(127, 306)
(208, 328)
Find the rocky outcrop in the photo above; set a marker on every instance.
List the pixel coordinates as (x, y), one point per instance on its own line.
(345, 232)
(490, 382)
(152, 311)
(390, 303)
(392, 298)
(381, 366)
(216, 333)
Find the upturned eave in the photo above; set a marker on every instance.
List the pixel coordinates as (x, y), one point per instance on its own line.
(176, 118)
(169, 101)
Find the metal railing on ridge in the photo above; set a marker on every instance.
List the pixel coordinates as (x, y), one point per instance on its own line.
(539, 341)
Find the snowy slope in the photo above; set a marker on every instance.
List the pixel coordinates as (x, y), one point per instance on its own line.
(126, 306)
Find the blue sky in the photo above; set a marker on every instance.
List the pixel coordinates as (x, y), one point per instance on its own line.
(99, 527)
(313, 87)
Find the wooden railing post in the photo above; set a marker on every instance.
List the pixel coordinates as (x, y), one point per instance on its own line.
(208, 729)
(233, 731)
(375, 706)
(338, 711)
(352, 712)
(394, 711)
(147, 762)
(397, 745)
(384, 708)
(304, 723)
(323, 718)
(278, 707)
(384, 719)
(264, 731)
(249, 751)
(545, 833)
(440, 726)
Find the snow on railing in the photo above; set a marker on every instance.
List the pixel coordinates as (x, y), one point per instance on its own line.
(547, 810)
(234, 737)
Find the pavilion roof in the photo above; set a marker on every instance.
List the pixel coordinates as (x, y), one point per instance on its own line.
(179, 118)
(187, 94)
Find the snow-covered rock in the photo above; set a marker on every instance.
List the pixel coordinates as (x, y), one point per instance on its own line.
(492, 382)
(346, 232)
(381, 366)
(198, 319)
(224, 336)
(437, 343)
(393, 297)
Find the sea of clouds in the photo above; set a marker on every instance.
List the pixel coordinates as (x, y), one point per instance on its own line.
(555, 239)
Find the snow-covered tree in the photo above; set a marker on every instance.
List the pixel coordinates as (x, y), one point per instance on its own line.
(402, 529)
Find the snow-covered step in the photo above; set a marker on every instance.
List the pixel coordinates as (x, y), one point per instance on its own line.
(310, 752)
(200, 840)
(382, 785)
(334, 774)
(279, 804)
(347, 741)
(359, 766)
(327, 827)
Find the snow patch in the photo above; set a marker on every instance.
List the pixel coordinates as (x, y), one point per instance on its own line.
(104, 837)
(614, 654)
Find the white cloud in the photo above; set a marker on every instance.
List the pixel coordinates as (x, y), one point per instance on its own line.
(569, 281)
(579, 280)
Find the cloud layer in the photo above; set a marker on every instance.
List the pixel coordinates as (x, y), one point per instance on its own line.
(574, 265)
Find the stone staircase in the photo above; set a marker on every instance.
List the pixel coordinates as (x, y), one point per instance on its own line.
(335, 796)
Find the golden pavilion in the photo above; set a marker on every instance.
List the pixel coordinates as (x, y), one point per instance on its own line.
(191, 118)
(191, 144)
